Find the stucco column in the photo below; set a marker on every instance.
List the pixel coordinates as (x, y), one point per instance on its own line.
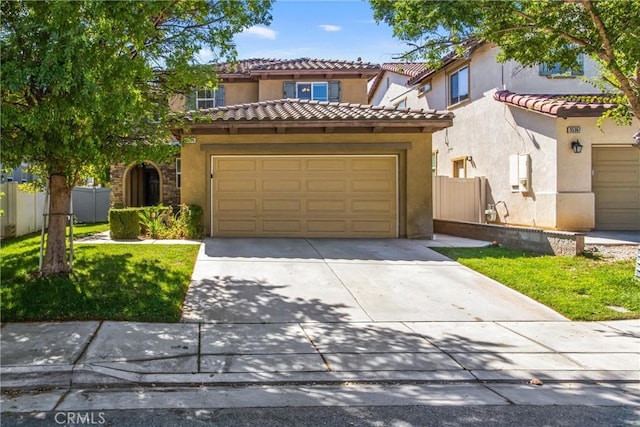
(419, 194)
(575, 203)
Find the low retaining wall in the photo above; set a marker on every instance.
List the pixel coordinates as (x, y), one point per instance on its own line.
(531, 239)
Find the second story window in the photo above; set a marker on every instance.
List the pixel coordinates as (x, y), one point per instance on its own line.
(459, 86)
(424, 88)
(317, 91)
(558, 70)
(206, 98)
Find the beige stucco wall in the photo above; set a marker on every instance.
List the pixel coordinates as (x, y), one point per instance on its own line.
(392, 89)
(490, 131)
(234, 93)
(415, 201)
(351, 90)
(241, 93)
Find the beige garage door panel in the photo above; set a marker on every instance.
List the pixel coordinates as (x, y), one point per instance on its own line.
(616, 185)
(305, 196)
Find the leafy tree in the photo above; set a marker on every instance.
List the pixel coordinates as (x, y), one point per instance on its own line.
(530, 32)
(87, 83)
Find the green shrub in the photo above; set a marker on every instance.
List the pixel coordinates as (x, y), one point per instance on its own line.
(190, 218)
(154, 221)
(163, 223)
(124, 223)
(157, 222)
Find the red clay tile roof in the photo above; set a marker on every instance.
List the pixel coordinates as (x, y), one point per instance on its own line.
(299, 65)
(558, 105)
(296, 112)
(409, 69)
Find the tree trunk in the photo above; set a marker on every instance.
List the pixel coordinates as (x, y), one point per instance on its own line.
(55, 259)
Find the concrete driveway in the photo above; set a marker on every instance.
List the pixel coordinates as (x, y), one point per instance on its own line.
(281, 280)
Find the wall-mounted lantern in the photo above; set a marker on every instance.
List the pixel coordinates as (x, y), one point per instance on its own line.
(576, 147)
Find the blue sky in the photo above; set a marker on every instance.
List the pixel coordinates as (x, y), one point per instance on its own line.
(326, 29)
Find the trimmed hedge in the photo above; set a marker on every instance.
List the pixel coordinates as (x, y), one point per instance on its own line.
(125, 223)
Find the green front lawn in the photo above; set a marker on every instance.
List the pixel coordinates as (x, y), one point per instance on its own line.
(110, 281)
(580, 288)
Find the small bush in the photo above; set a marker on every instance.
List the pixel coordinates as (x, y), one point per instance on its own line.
(124, 223)
(154, 220)
(190, 218)
(162, 223)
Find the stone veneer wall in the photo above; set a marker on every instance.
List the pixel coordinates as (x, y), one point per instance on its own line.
(532, 239)
(115, 181)
(170, 193)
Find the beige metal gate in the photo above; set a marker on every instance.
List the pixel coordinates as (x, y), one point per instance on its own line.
(616, 185)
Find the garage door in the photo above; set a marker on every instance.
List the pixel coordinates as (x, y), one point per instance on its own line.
(305, 196)
(616, 184)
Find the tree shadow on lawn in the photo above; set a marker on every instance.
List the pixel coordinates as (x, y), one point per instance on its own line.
(103, 286)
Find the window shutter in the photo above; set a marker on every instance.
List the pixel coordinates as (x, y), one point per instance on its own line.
(289, 90)
(220, 96)
(191, 100)
(334, 91)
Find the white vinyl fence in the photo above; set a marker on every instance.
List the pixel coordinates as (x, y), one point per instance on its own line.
(91, 204)
(22, 211)
(459, 199)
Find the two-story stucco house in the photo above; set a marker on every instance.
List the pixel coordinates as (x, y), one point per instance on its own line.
(547, 163)
(290, 148)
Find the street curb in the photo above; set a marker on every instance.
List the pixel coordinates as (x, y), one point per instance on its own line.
(95, 376)
(32, 377)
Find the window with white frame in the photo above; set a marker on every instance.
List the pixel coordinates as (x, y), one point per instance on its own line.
(206, 98)
(559, 70)
(459, 167)
(459, 85)
(402, 104)
(178, 172)
(317, 91)
(424, 88)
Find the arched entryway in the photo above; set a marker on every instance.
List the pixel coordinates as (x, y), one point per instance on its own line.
(143, 185)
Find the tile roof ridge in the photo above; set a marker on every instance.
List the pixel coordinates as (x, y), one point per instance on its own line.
(563, 97)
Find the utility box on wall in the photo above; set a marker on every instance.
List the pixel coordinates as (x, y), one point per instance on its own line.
(520, 173)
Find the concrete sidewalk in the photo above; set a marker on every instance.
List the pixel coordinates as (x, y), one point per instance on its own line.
(90, 354)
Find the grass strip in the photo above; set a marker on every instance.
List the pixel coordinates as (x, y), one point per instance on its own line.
(580, 288)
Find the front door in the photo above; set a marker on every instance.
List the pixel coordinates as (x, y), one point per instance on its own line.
(143, 186)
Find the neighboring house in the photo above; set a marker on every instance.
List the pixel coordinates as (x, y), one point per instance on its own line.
(19, 175)
(547, 163)
(288, 148)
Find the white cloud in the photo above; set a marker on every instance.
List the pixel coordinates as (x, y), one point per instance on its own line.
(330, 28)
(261, 32)
(204, 56)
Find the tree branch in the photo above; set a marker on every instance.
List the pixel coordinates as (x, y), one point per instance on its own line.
(608, 55)
(565, 35)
